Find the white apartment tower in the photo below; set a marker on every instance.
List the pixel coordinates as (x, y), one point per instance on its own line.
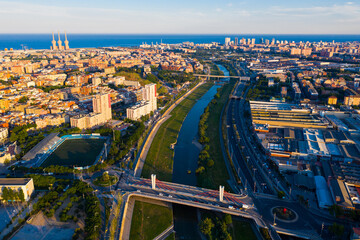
(227, 41)
(150, 95)
(146, 106)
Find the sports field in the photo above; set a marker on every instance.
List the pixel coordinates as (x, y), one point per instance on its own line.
(75, 152)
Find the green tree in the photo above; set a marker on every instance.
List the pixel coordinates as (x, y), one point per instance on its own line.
(210, 163)
(200, 170)
(21, 195)
(105, 177)
(5, 194)
(151, 78)
(228, 219)
(337, 229)
(206, 226)
(12, 195)
(336, 210)
(23, 99)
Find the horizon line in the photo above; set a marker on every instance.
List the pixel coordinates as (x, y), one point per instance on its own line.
(193, 33)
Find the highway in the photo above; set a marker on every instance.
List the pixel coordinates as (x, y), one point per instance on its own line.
(255, 207)
(252, 154)
(258, 181)
(234, 204)
(241, 149)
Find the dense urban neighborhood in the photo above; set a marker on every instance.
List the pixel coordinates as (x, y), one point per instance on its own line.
(249, 138)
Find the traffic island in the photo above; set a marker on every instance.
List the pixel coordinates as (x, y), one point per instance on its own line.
(284, 214)
(105, 180)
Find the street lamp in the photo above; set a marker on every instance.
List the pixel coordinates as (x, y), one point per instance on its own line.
(274, 219)
(254, 180)
(263, 186)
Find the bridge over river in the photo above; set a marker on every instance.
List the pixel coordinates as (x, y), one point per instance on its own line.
(242, 205)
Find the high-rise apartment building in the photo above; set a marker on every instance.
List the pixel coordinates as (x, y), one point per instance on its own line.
(146, 106)
(100, 115)
(236, 41)
(150, 95)
(227, 41)
(102, 105)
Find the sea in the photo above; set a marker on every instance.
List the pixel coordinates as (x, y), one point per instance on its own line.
(43, 41)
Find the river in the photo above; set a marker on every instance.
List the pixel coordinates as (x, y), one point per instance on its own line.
(186, 155)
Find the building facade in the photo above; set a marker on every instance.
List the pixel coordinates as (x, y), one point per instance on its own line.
(26, 184)
(100, 115)
(146, 106)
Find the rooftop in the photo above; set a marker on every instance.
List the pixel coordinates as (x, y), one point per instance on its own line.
(14, 181)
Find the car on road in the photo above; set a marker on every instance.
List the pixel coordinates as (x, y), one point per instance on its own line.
(231, 207)
(245, 206)
(160, 194)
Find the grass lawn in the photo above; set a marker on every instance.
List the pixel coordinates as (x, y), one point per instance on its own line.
(114, 221)
(242, 231)
(217, 174)
(160, 157)
(149, 220)
(171, 237)
(238, 229)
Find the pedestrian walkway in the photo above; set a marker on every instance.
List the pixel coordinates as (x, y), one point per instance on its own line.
(165, 233)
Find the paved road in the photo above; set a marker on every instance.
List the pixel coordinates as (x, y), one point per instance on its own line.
(259, 205)
(22, 215)
(249, 162)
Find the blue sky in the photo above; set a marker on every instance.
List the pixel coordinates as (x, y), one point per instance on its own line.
(185, 16)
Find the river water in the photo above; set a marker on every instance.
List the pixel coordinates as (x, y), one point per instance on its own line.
(186, 155)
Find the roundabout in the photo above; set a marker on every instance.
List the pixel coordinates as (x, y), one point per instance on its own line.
(284, 214)
(105, 180)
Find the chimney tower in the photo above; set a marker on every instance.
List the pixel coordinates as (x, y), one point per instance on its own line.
(66, 43)
(53, 42)
(60, 43)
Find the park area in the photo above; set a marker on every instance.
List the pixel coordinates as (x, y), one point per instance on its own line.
(75, 152)
(149, 220)
(160, 157)
(216, 175)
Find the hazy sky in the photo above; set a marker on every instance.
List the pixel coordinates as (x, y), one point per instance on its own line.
(181, 16)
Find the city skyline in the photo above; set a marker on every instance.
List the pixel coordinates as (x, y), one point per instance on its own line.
(183, 17)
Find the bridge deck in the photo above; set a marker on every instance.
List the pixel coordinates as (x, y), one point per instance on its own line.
(221, 76)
